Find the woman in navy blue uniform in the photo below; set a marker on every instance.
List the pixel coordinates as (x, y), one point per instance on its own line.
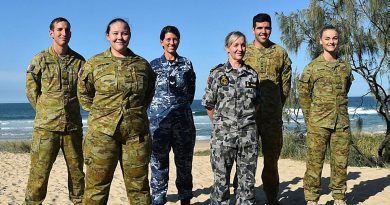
(171, 120)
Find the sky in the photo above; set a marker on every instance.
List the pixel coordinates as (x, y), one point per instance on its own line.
(203, 25)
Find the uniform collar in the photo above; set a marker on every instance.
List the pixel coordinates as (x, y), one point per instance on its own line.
(53, 53)
(108, 54)
(271, 48)
(328, 64)
(178, 60)
(229, 68)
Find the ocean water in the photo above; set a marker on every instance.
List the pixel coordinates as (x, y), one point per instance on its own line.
(16, 119)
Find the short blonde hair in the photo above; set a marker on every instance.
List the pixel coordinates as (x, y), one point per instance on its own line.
(233, 36)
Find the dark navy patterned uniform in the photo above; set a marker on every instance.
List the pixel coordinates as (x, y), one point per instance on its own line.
(172, 126)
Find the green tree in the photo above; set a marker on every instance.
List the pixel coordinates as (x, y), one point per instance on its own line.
(364, 36)
(291, 107)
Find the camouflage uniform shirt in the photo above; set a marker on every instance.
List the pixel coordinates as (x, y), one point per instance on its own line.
(113, 89)
(175, 87)
(323, 89)
(51, 88)
(273, 67)
(233, 94)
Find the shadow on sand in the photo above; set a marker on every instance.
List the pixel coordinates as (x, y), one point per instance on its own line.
(359, 193)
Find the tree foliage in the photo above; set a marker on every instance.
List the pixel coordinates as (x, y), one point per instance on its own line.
(291, 108)
(364, 27)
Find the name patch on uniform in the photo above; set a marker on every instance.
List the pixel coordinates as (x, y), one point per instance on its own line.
(249, 84)
(224, 80)
(30, 67)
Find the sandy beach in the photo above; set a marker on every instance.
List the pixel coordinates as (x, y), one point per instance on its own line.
(369, 186)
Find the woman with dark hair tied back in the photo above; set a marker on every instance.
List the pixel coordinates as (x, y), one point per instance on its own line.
(116, 88)
(171, 120)
(231, 99)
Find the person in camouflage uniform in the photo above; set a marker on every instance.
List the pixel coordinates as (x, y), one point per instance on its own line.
(231, 96)
(323, 89)
(116, 88)
(171, 121)
(273, 67)
(51, 83)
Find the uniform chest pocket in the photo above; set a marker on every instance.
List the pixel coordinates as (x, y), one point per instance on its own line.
(136, 80)
(323, 82)
(273, 70)
(106, 83)
(161, 78)
(182, 77)
(72, 76)
(50, 80)
(226, 93)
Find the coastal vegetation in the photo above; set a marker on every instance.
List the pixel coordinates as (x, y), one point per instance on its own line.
(15, 146)
(294, 147)
(362, 151)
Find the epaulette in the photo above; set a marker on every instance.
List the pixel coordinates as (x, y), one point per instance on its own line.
(215, 67)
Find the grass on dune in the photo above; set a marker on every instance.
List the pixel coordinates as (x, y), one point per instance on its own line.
(293, 148)
(15, 146)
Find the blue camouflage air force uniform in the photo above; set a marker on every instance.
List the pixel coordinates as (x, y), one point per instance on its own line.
(172, 126)
(233, 94)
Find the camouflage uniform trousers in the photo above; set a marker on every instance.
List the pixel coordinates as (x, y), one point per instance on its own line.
(271, 144)
(222, 158)
(44, 149)
(102, 153)
(176, 131)
(271, 136)
(317, 140)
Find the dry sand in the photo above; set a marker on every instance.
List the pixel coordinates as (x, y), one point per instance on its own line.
(365, 185)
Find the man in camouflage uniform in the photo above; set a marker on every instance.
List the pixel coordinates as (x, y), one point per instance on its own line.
(116, 91)
(323, 89)
(273, 67)
(51, 84)
(171, 122)
(231, 98)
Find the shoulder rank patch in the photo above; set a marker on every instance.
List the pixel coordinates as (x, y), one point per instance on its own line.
(249, 84)
(224, 80)
(30, 67)
(215, 67)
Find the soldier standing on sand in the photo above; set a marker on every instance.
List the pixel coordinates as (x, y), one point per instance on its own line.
(116, 88)
(323, 88)
(231, 97)
(171, 121)
(273, 67)
(51, 84)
